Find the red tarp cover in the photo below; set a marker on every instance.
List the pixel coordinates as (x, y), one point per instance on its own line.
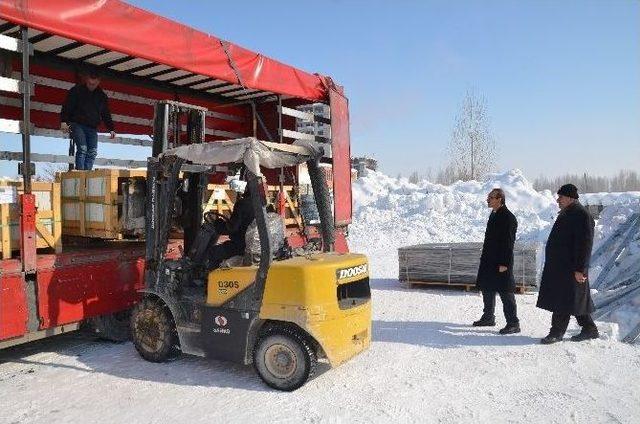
(340, 143)
(118, 26)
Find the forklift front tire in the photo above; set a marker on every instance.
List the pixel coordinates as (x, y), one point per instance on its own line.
(284, 359)
(153, 331)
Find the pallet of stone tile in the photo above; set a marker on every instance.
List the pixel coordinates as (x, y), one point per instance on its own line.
(92, 202)
(48, 216)
(457, 263)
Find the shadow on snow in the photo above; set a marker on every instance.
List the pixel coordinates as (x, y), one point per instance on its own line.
(122, 360)
(443, 335)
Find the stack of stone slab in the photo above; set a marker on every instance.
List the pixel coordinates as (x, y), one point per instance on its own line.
(457, 264)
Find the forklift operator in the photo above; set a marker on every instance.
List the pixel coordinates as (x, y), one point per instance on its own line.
(236, 227)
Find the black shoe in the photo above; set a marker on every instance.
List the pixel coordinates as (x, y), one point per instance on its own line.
(585, 335)
(550, 339)
(510, 329)
(485, 322)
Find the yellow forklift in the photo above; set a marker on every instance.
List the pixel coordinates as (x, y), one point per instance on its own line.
(281, 309)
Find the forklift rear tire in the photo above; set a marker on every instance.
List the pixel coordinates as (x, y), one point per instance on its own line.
(284, 358)
(153, 331)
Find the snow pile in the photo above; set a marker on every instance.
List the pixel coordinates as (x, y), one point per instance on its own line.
(390, 213)
(609, 199)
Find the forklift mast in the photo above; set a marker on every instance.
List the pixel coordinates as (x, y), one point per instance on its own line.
(177, 123)
(162, 184)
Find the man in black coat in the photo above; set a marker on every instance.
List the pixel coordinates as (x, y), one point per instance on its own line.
(564, 287)
(495, 274)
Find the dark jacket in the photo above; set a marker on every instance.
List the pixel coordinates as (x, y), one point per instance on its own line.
(497, 250)
(86, 107)
(241, 217)
(568, 250)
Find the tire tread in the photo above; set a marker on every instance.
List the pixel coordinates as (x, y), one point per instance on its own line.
(171, 349)
(298, 336)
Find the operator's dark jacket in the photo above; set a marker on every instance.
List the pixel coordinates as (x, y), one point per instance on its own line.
(497, 250)
(86, 107)
(568, 250)
(241, 217)
(236, 228)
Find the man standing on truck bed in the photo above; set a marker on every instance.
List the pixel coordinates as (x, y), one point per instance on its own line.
(84, 108)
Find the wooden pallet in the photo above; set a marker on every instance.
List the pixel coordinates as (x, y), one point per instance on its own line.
(91, 201)
(48, 217)
(220, 198)
(458, 286)
(291, 211)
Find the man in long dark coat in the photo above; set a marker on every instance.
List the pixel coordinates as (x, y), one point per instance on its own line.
(564, 288)
(495, 273)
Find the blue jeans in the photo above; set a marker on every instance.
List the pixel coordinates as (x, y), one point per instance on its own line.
(86, 139)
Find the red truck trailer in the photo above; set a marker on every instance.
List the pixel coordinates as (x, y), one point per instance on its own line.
(142, 58)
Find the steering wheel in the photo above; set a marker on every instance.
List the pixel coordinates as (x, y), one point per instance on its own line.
(211, 216)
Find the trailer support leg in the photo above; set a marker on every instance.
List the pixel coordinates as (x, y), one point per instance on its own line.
(28, 232)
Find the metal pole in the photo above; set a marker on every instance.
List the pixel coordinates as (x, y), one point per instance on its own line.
(26, 113)
(281, 197)
(255, 121)
(280, 116)
(450, 264)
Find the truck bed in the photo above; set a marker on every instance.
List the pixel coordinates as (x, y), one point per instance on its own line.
(85, 280)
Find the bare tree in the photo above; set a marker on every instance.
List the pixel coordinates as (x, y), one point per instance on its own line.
(472, 149)
(414, 178)
(429, 175)
(624, 180)
(47, 172)
(447, 175)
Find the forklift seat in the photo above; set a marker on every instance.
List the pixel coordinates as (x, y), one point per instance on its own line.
(233, 261)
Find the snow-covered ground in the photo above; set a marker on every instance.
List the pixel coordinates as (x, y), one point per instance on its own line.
(426, 363)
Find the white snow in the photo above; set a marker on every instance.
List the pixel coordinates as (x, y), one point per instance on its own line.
(426, 363)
